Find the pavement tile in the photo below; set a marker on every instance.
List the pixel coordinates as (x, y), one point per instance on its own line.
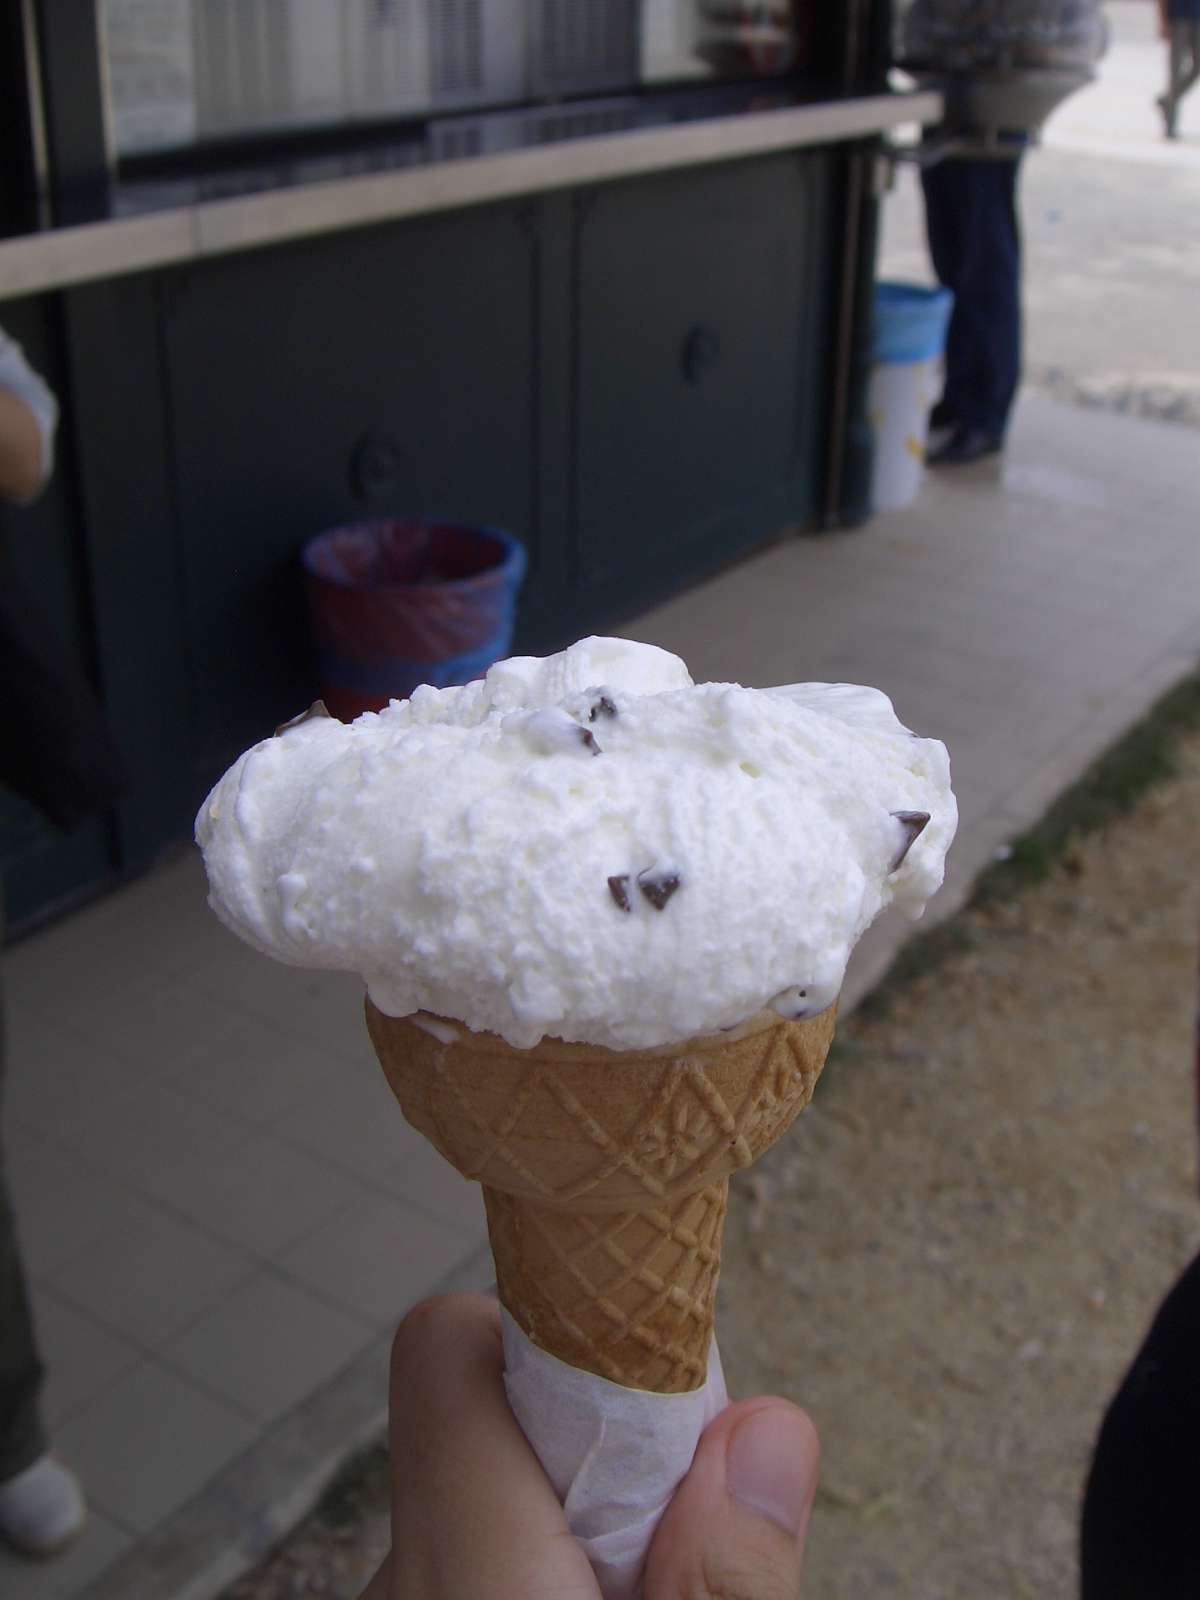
(251, 982)
(109, 950)
(151, 1276)
(428, 1183)
(100, 1546)
(149, 1442)
(332, 1011)
(354, 1123)
(258, 1070)
(377, 1258)
(62, 1204)
(165, 1024)
(260, 1195)
(26, 1032)
(298, 997)
(150, 1136)
(80, 1356)
(58, 1078)
(200, 938)
(268, 1345)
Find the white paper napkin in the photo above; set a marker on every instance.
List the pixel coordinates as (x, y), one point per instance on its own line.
(614, 1455)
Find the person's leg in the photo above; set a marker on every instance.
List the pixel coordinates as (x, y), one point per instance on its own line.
(1179, 60)
(945, 231)
(1190, 65)
(22, 1439)
(1140, 1531)
(945, 186)
(971, 222)
(944, 235)
(42, 1508)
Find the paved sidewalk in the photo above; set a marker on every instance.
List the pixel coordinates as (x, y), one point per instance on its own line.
(1110, 234)
(1117, 116)
(1025, 611)
(223, 1212)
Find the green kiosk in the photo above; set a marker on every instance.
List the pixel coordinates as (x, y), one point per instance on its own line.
(595, 271)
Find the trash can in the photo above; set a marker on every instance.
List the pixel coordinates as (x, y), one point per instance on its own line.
(405, 601)
(910, 336)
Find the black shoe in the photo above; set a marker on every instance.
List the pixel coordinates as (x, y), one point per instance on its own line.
(964, 444)
(942, 417)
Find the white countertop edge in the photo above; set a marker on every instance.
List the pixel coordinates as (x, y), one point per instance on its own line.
(65, 256)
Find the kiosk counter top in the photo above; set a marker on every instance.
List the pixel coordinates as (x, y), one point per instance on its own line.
(445, 164)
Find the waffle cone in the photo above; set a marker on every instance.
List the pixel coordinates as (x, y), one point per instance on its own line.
(605, 1173)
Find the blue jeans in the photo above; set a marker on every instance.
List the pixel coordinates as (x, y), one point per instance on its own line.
(971, 220)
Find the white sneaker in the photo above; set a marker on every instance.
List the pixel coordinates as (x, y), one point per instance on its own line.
(42, 1509)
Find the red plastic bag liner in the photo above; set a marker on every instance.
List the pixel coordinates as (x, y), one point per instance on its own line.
(405, 601)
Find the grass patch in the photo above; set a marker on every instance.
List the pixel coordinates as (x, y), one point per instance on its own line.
(358, 1491)
(359, 1488)
(1110, 788)
(922, 954)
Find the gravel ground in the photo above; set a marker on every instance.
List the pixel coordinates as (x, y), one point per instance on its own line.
(1161, 398)
(336, 1551)
(952, 1256)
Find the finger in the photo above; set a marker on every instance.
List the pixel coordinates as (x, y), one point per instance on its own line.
(735, 1527)
(380, 1585)
(473, 1513)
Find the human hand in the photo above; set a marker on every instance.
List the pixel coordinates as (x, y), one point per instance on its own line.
(20, 449)
(473, 1514)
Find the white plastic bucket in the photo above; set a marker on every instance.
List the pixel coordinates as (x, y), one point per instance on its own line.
(898, 402)
(910, 335)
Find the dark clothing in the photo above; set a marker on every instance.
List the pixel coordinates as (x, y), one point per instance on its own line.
(56, 749)
(1183, 65)
(1183, 10)
(971, 220)
(39, 695)
(22, 1440)
(1140, 1537)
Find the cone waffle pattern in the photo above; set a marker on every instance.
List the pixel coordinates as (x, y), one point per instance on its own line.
(606, 1172)
(571, 1124)
(625, 1294)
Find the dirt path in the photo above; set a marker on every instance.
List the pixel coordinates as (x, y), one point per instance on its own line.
(952, 1256)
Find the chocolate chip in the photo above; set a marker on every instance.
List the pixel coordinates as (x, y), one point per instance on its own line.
(658, 885)
(603, 708)
(551, 731)
(913, 823)
(317, 709)
(618, 887)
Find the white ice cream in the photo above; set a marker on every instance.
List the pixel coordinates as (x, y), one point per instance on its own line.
(588, 846)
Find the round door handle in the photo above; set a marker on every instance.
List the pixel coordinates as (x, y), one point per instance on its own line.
(701, 348)
(375, 467)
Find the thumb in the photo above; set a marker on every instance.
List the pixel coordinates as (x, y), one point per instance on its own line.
(735, 1527)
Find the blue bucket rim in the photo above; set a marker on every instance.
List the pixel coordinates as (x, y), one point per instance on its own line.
(914, 321)
(896, 288)
(512, 567)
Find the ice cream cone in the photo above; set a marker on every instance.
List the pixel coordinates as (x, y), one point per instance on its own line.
(605, 1173)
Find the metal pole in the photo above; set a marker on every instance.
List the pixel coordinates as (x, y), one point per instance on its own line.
(844, 346)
